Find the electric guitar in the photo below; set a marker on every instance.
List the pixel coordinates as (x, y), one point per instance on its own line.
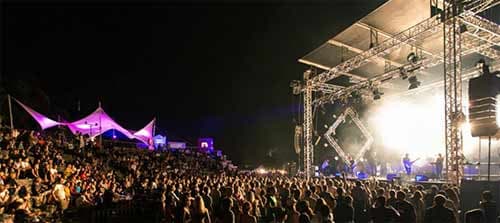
(410, 163)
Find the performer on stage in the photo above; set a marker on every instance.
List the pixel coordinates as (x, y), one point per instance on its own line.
(372, 163)
(407, 163)
(325, 166)
(350, 166)
(439, 166)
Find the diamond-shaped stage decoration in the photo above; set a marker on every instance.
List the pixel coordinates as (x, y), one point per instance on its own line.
(349, 112)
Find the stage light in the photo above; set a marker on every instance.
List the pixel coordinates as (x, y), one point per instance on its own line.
(261, 171)
(362, 175)
(421, 178)
(326, 126)
(377, 94)
(414, 83)
(463, 28)
(336, 158)
(403, 73)
(412, 58)
(282, 172)
(391, 176)
(480, 64)
(325, 145)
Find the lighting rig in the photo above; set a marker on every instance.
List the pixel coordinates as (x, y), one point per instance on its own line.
(450, 22)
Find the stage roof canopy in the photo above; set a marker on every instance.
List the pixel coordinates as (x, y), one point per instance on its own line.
(389, 19)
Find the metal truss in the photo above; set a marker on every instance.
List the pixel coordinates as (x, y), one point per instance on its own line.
(326, 88)
(389, 75)
(349, 112)
(471, 45)
(388, 36)
(476, 6)
(483, 31)
(409, 36)
(308, 117)
(426, 27)
(453, 93)
(466, 75)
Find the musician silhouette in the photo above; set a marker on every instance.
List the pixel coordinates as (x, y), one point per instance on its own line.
(407, 163)
(439, 166)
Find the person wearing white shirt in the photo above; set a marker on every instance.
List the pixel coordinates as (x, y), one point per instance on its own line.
(59, 194)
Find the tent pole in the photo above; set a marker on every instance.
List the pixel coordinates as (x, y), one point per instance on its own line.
(152, 137)
(10, 113)
(100, 128)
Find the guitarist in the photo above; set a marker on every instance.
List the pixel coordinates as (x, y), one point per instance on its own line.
(439, 166)
(407, 163)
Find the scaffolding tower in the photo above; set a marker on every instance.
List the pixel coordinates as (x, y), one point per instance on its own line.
(454, 23)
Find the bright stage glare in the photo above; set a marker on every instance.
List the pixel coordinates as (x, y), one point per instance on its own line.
(417, 127)
(414, 128)
(261, 171)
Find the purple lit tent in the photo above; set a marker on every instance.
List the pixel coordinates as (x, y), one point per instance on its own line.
(146, 134)
(94, 124)
(42, 120)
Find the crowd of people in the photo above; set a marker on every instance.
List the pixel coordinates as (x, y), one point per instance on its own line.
(46, 176)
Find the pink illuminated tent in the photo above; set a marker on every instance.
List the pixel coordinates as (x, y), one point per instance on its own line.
(146, 134)
(42, 120)
(94, 124)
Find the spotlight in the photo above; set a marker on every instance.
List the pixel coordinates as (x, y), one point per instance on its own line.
(336, 158)
(414, 83)
(412, 58)
(325, 145)
(261, 171)
(480, 63)
(463, 28)
(403, 73)
(326, 126)
(420, 178)
(377, 94)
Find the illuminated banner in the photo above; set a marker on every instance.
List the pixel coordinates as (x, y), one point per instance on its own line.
(177, 145)
(159, 140)
(206, 144)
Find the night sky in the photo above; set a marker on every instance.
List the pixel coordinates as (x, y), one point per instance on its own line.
(202, 68)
